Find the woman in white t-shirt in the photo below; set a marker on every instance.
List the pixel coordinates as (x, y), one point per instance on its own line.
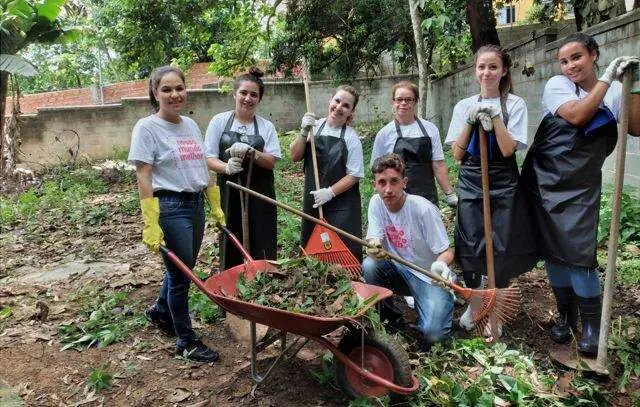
(562, 177)
(173, 182)
(233, 140)
(340, 167)
(417, 142)
(503, 116)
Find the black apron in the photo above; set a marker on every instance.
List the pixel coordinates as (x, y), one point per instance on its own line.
(514, 249)
(343, 211)
(562, 178)
(416, 154)
(262, 215)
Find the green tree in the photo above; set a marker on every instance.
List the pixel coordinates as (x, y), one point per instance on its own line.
(343, 38)
(149, 33)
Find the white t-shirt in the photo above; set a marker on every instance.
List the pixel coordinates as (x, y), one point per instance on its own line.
(216, 127)
(387, 136)
(560, 90)
(355, 163)
(414, 233)
(518, 118)
(174, 150)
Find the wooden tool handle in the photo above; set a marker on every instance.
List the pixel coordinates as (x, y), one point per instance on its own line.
(486, 208)
(348, 236)
(488, 230)
(614, 231)
(314, 158)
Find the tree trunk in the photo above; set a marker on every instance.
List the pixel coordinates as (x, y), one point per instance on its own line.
(4, 79)
(416, 22)
(482, 23)
(577, 12)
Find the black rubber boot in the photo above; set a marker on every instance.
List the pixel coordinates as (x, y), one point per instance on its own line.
(568, 314)
(590, 312)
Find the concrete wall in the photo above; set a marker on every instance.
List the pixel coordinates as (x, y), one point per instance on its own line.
(103, 127)
(616, 37)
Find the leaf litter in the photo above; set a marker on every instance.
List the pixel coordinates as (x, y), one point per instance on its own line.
(305, 286)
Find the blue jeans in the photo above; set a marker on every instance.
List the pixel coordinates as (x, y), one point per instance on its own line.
(585, 281)
(182, 222)
(433, 304)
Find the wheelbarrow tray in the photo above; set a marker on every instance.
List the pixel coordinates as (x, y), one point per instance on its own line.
(221, 288)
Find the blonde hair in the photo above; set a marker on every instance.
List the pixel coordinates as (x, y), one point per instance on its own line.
(406, 85)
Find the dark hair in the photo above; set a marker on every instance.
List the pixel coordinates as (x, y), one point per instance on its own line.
(154, 81)
(253, 75)
(389, 161)
(586, 40)
(506, 84)
(406, 85)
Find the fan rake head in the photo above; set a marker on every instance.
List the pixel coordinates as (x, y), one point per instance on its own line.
(500, 304)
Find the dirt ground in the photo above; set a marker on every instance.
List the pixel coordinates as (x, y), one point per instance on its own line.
(49, 262)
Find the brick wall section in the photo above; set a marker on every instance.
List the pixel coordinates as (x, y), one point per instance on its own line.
(196, 78)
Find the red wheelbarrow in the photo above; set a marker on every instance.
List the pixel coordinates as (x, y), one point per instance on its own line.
(370, 364)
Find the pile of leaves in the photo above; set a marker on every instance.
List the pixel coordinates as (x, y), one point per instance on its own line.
(305, 286)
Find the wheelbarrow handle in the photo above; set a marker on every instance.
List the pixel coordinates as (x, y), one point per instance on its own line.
(183, 267)
(236, 242)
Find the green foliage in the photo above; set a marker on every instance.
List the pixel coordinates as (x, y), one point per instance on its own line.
(471, 373)
(446, 34)
(345, 39)
(289, 183)
(100, 379)
(201, 306)
(625, 343)
(629, 217)
(105, 317)
(325, 375)
(235, 51)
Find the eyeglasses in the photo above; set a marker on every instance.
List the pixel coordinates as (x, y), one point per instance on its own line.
(404, 100)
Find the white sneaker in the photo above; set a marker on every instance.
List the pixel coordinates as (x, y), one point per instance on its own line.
(466, 320)
(410, 302)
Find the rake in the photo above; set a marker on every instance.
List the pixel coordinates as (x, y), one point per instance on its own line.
(486, 304)
(324, 244)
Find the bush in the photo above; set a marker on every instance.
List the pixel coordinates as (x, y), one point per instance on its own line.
(629, 217)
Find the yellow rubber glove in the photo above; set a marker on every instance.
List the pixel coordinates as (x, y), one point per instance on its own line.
(213, 196)
(152, 235)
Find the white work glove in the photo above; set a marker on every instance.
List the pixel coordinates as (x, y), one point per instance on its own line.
(490, 109)
(238, 150)
(466, 320)
(616, 69)
(452, 199)
(307, 123)
(472, 114)
(441, 268)
(322, 196)
(376, 251)
(234, 166)
(485, 121)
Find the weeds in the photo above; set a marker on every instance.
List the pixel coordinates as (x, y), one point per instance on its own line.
(100, 379)
(473, 374)
(105, 318)
(629, 217)
(625, 343)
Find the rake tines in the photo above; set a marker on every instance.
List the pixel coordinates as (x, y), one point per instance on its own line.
(343, 258)
(499, 303)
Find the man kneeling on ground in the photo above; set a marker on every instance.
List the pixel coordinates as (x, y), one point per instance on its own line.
(410, 227)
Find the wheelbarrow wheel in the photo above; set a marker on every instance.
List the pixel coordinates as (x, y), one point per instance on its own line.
(383, 356)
